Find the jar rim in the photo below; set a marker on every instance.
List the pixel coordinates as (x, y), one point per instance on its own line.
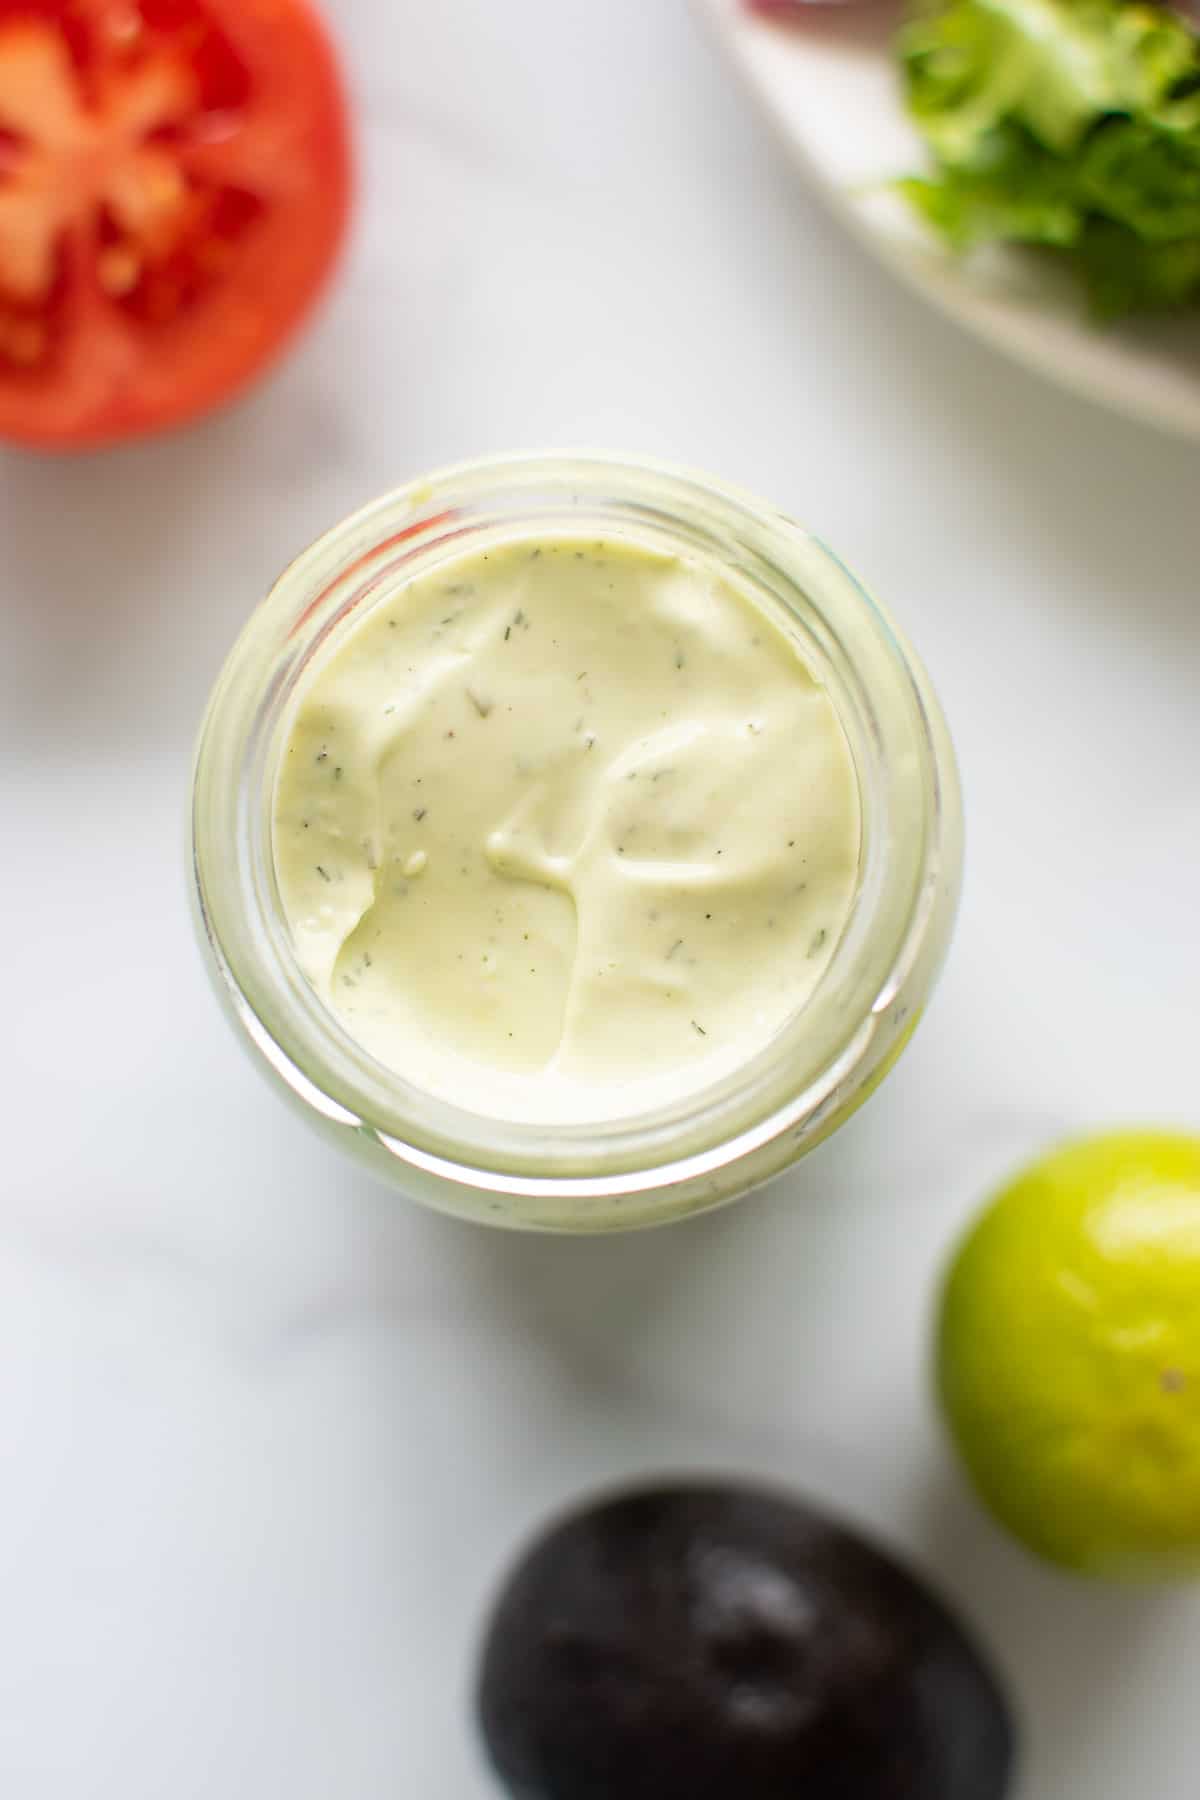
(908, 785)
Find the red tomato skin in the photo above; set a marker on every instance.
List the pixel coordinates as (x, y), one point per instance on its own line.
(212, 356)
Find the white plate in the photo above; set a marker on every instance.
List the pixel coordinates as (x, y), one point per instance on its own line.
(828, 84)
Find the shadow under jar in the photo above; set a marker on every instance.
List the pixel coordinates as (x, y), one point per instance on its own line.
(703, 1141)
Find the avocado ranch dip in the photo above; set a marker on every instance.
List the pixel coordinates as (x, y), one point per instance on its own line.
(565, 829)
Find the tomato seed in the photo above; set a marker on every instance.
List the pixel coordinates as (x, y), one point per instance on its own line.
(119, 270)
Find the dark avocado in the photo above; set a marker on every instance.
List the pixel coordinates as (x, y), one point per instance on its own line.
(719, 1643)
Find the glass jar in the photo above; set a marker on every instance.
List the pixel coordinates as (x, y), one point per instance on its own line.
(731, 1136)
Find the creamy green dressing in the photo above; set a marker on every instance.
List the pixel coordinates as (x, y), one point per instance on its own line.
(565, 829)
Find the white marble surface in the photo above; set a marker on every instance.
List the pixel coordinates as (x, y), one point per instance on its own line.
(269, 1433)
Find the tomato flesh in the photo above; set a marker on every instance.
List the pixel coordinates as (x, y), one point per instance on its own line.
(174, 186)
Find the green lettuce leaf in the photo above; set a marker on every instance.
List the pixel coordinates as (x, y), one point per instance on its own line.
(1013, 190)
(1144, 177)
(1071, 124)
(1125, 274)
(1054, 66)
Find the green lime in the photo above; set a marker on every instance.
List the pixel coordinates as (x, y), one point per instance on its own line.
(1068, 1355)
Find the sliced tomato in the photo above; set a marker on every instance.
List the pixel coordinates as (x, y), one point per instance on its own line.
(174, 187)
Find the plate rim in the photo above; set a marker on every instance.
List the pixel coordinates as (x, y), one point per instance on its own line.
(723, 21)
